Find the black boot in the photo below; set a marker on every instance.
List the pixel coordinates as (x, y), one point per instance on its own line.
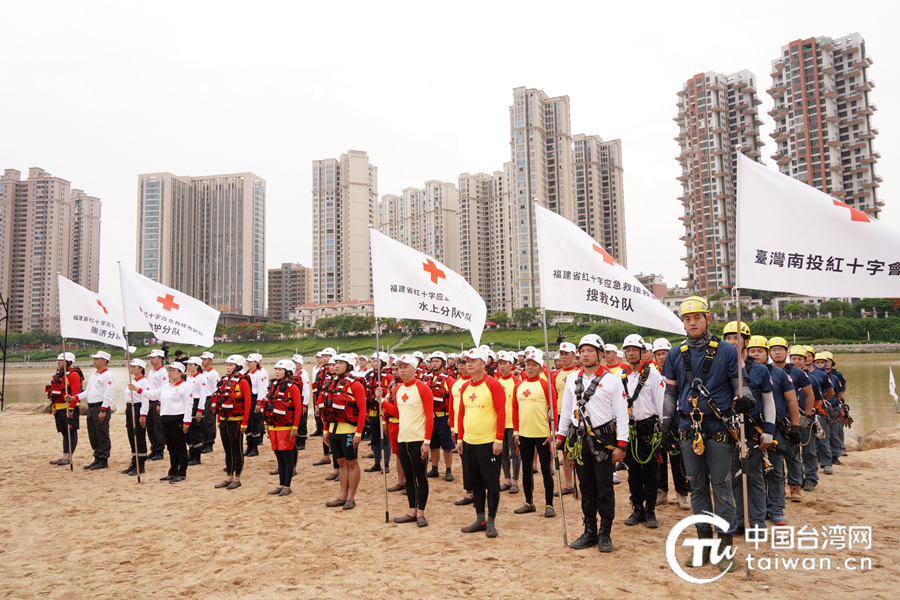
(194, 457)
(703, 534)
(91, 466)
(650, 514)
(301, 444)
(636, 517)
(101, 464)
(207, 449)
(727, 564)
(603, 540)
(141, 462)
(588, 538)
(129, 470)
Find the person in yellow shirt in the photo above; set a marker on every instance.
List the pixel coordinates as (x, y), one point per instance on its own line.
(612, 359)
(567, 366)
(510, 455)
(480, 427)
(530, 407)
(462, 365)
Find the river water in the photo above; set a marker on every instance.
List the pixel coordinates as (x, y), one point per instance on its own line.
(871, 405)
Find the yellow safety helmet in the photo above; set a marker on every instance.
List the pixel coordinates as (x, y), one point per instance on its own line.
(810, 350)
(798, 351)
(758, 341)
(733, 328)
(693, 304)
(828, 355)
(820, 356)
(778, 341)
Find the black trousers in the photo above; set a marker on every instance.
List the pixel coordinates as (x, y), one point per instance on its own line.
(414, 469)
(154, 430)
(196, 436)
(68, 427)
(596, 485)
(254, 427)
(528, 446)
(209, 423)
(484, 476)
(679, 481)
(643, 479)
(98, 433)
(233, 444)
(286, 460)
(173, 433)
(133, 425)
(319, 425)
(303, 427)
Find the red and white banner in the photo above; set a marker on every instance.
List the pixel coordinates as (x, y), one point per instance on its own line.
(578, 275)
(793, 238)
(407, 284)
(169, 314)
(85, 315)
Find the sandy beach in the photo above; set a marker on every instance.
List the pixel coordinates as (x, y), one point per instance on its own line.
(99, 534)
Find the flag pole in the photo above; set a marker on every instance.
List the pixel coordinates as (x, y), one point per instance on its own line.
(552, 388)
(743, 441)
(68, 424)
(134, 422)
(387, 514)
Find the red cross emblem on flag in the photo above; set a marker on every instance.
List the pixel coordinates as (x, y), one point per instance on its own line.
(855, 215)
(100, 304)
(432, 269)
(168, 303)
(606, 257)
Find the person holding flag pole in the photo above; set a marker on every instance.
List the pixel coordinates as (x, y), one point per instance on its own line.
(66, 379)
(553, 417)
(379, 392)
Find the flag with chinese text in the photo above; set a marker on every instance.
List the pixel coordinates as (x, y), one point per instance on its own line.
(578, 275)
(793, 238)
(407, 284)
(171, 315)
(85, 315)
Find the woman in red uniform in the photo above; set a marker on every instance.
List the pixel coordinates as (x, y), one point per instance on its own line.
(345, 414)
(66, 382)
(284, 405)
(233, 406)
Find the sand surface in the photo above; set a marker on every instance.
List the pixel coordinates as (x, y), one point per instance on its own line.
(99, 534)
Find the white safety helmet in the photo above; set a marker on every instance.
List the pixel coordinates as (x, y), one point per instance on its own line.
(67, 356)
(347, 358)
(419, 355)
(648, 347)
(236, 359)
(661, 344)
(633, 340)
(286, 364)
(440, 355)
(329, 351)
(591, 339)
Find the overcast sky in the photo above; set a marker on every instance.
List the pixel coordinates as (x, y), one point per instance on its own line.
(98, 92)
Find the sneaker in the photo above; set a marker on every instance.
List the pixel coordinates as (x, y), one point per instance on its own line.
(514, 488)
(549, 512)
(525, 509)
(662, 497)
(835, 461)
(432, 473)
(778, 520)
(844, 453)
(466, 500)
(616, 480)
(808, 487)
(683, 502)
(621, 466)
(373, 469)
(828, 470)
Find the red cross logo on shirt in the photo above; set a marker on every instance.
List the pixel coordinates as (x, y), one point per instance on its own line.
(431, 268)
(168, 303)
(100, 304)
(606, 257)
(473, 397)
(526, 393)
(404, 397)
(855, 215)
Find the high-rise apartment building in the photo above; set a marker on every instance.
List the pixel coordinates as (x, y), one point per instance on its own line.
(46, 228)
(599, 192)
(717, 118)
(344, 201)
(425, 219)
(205, 236)
(824, 134)
(288, 289)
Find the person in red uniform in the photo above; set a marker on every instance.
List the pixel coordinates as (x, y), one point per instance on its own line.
(345, 409)
(233, 407)
(66, 381)
(531, 429)
(414, 407)
(480, 427)
(283, 408)
(440, 381)
(391, 425)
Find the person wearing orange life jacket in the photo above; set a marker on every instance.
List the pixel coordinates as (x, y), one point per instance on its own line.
(322, 378)
(480, 427)
(440, 382)
(282, 412)
(412, 404)
(232, 399)
(199, 395)
(462, 364)
(558, 378)
(380, 444)
(532, 434)
(302, 381)
(136, 408)
(391, 425)
(345, 409)
(209, 411)
(259, 383)
(66, 381)
(510, 456)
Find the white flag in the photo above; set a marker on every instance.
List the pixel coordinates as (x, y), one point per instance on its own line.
(793, 238)
(407, 284)
(171, 315)
(578, 275)
(893, 386)
(84, 315)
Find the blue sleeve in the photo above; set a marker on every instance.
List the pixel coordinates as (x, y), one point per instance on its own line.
(826, 384)
(669, 367)
(764, 380)
(731, 364)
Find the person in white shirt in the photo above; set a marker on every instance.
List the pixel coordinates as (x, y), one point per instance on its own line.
(303, 381)
(645, 393)
(259, 388)
(199, 394)
(209, 411)
(594, 422)
(157, 378)
(98, 393)
(175, 406)
(136, 408)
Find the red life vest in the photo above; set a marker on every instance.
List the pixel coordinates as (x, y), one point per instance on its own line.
(56, 391)
(371, 384)
(279, 409)
(340, 405)
(229, 398)
(436, 381)
(322, 383)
